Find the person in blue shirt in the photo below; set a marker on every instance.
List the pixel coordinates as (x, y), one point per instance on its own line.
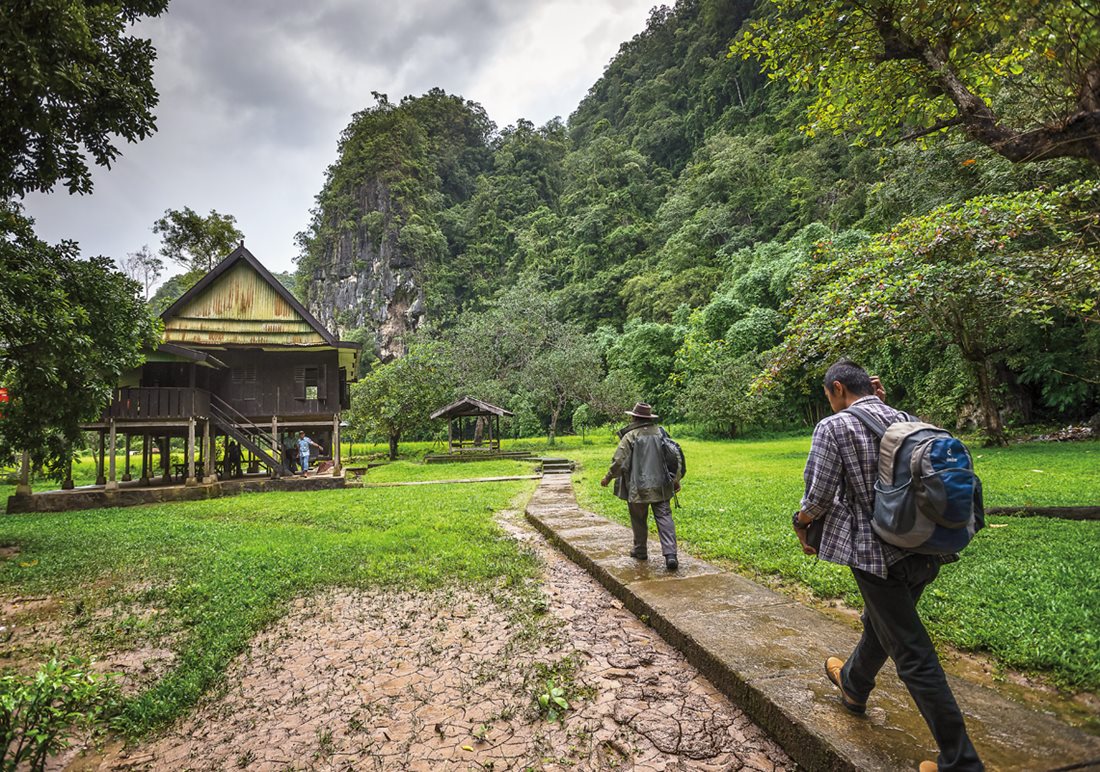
(304, 444)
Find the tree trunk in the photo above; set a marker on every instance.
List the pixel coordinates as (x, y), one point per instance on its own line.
(393, 445)
(991, 417)
(555, 414)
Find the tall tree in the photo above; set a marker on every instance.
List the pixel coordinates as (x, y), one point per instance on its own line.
(143, 267)
(567, 371)
(1020, 76)
(68, 329)
(398, 398)
(72, 81)
(194, 241)
(978, 279)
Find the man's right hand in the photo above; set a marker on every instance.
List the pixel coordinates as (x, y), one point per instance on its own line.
(879, 390)
(801, 533)
(605, 482)
(806, 548)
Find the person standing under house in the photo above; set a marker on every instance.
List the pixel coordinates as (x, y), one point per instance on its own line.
(840, 475)
(642, 480)
(304, 444)
(233, 460)
(290, 452)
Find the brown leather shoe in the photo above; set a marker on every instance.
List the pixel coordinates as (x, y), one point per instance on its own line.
(928, 766)
(832, 672)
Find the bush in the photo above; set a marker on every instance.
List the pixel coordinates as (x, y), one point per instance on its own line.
(39, 713)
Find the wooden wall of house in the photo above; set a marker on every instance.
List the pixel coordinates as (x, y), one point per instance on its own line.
(261, 383)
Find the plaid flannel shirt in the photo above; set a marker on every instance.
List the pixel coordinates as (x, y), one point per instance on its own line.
(840, 486)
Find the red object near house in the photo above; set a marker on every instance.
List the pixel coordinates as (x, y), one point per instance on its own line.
(3, 401)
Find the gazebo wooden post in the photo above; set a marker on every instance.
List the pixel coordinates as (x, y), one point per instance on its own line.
(450, 434)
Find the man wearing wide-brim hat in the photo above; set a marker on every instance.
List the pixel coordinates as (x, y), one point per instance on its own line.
(643, 480)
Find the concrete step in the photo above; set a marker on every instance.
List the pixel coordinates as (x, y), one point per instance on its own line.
(766, 652)
(552, 465)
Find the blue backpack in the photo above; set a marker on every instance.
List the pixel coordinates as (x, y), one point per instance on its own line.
(927, 497)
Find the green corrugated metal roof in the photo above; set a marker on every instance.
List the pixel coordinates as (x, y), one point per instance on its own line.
(240, 308)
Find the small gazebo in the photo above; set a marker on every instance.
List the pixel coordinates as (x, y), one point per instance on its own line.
(482, 413)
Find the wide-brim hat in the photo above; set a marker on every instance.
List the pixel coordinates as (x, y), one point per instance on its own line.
(642, 410)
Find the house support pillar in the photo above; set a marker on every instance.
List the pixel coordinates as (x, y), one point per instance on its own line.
(100, 477)
(146, 458)
(276, 447)
(191, 452)
(112, 446)
(24, 486)
(166, 458)
(126, 476)
(336, 445)
(209, 469)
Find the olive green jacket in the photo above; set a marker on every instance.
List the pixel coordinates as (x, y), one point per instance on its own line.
(638, 466)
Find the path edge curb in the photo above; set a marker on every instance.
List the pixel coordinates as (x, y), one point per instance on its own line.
(798, 739)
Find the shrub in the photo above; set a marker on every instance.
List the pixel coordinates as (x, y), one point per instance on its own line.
(40, 713)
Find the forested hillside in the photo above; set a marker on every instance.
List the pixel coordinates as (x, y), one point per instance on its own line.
(676, 238)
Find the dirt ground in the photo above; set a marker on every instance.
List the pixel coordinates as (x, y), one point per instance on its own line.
(449, 680)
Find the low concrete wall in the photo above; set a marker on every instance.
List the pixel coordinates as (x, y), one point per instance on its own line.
(98, 498)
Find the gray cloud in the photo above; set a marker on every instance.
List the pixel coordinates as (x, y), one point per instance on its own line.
(254, 94)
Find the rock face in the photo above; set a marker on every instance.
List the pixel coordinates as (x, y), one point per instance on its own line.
(365, 280)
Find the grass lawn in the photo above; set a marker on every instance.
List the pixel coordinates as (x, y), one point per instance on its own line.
(412, 471)
(209, 575)
(1027, 590)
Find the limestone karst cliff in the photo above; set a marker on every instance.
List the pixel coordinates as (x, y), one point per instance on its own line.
(364, 280)
(378, 228)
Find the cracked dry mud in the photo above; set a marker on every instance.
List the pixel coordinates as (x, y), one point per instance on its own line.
(447, 681)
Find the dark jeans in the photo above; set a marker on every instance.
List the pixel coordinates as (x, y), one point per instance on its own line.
(666, 529)
(892, 628)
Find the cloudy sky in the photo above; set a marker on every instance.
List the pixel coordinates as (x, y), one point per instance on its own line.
(254, 93)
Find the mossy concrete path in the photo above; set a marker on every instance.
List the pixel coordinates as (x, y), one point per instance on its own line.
(766, 652)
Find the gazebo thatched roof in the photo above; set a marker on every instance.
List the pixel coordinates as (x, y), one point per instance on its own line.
(468, 406)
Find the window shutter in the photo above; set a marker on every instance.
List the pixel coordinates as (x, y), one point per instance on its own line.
(300, 382)
(322, 382)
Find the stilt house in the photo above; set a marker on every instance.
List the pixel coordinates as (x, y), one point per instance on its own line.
(240, 358)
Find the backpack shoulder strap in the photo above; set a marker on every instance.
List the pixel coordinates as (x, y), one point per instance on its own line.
(868, 420)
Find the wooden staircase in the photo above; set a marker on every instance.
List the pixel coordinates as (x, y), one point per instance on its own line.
(248, 434)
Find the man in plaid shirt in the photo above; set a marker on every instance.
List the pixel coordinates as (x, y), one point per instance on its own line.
(840, 477)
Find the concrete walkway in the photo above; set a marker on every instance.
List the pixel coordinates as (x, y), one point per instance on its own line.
(766, 651)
